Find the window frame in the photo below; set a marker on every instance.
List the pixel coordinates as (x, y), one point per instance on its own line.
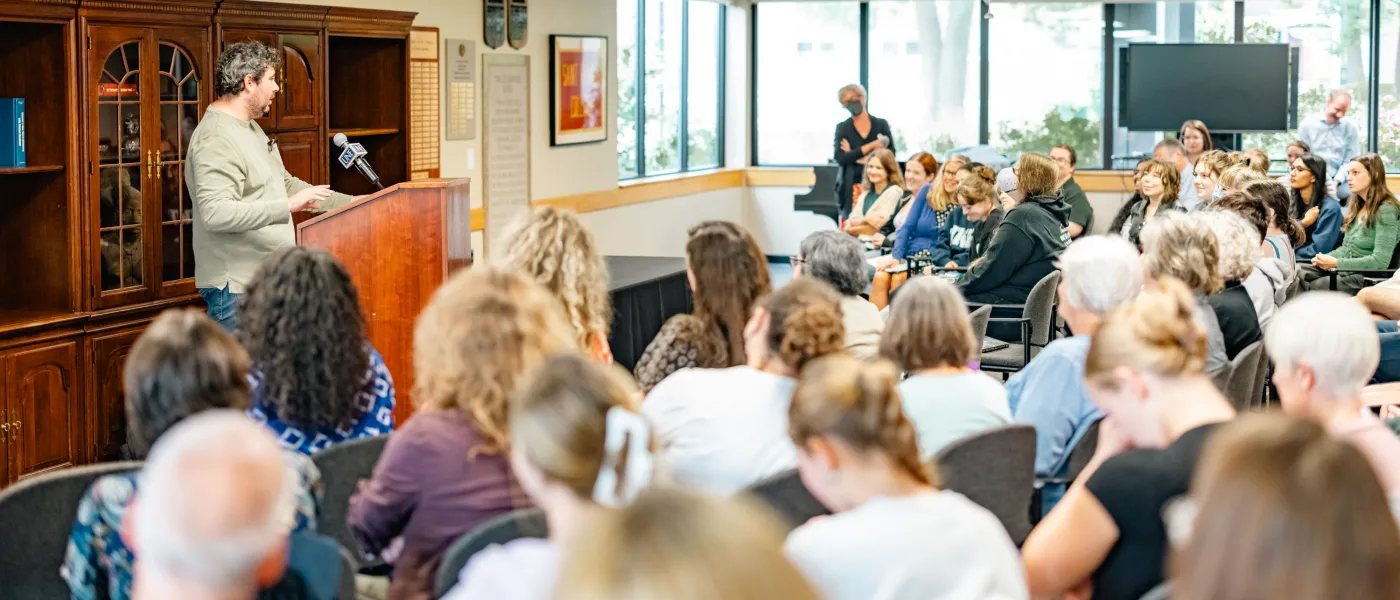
(639, 108)
(1107, 105)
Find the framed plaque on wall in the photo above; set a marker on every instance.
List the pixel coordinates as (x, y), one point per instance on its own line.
(578, 89)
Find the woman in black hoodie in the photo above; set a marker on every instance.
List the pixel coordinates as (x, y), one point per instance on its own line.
(1029, 239)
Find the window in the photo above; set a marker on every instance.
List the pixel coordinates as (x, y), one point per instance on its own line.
(669, 82)
(1046, 88)
(797, 109)
(1388, 123)
(929, 92)
(1332, 40)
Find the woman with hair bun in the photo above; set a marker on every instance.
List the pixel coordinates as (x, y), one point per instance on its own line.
(723, 429)
(894, 534)
(573, 431)
(973, 220)
(1146, 371)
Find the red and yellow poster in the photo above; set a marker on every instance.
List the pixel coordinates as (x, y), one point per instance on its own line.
(579, 102)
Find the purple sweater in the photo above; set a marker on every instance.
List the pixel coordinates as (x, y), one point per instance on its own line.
(426, 490)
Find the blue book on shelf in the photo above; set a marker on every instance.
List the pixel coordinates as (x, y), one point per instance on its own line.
(11, 132)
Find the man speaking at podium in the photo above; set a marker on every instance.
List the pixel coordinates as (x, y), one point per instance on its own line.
(243, 197)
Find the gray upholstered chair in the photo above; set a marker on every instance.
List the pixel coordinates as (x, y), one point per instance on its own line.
(523, 523)
(1078, 459)
(787, 496)
(979, 319)
(995, 469)
(342, 466)
(36, 516)
(1244, 376)
(1037, 322)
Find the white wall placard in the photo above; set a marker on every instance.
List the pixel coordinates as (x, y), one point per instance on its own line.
(506, 141)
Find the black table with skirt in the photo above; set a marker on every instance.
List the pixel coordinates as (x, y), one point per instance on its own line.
(646, 290)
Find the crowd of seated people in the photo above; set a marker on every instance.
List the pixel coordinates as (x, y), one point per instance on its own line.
(646, 480)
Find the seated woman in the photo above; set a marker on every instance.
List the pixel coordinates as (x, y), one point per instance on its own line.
(1238, 176)
(553, 247)
(973, 221)
(1316, 209)
(928, 215)
(838, 260)
(728, 274)
(1372, 227)
(1257, 160)
(882, 188)
(446, 470)
(680, 545)
(182, 365)
(1181, 247)
(1284, 233)
(1159, 184)
(1267, 478)
(564, 419)
(1025, 246)
(918, 171)
(316, 380)
(894, 534)
(1207, 172)
(930, 338)
(1146, 371)
(1234, 308)
(1268, 281)
(724, 429)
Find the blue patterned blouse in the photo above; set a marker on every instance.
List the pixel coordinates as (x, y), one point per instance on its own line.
(98, 563)
(376, 399)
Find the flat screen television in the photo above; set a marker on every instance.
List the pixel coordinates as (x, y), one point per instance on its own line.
(1231, 87)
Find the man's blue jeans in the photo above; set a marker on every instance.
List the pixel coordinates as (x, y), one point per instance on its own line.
(1389, 368)
(223, 306)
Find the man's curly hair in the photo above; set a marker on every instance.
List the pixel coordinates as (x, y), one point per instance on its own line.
(301, 323)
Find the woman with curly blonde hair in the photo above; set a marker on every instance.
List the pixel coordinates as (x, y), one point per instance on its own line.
(553, 247)
(1182, 247)
(446, 470)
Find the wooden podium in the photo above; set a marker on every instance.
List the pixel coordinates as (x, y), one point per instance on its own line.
(399, 244)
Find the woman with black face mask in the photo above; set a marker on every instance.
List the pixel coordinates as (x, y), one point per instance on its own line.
(856, 138)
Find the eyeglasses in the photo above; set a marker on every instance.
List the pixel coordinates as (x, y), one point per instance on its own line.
(796, 262)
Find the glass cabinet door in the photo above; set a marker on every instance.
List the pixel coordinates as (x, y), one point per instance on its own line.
(179, 114)
(122, 167)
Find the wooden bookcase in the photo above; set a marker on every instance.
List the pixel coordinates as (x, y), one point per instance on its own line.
(95, 231)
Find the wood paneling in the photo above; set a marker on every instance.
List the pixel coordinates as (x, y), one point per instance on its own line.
(299, 102)
(45, 408)
(108, 398)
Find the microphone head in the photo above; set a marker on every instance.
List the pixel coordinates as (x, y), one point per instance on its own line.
(339, 140)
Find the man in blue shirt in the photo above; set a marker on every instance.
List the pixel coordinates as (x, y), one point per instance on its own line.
(1333, 138)
(1097, 274)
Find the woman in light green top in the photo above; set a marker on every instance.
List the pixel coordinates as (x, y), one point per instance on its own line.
(1372, 229)
(930, 337)
(881, 190)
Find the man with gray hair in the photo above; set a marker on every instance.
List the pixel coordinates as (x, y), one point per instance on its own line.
(214, 513)
(1097, 275)
(243, 197)
(1333, 138)
(1325, 347)
(838, 259)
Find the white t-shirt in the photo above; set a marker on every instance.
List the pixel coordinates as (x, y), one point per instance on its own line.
(947, 408)
(932, 546)
(722, 429)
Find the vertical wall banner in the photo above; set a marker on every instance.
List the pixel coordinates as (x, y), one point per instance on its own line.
(519, 17)
(578, 89)
(495, 23)
(505, 83)
(461, 90)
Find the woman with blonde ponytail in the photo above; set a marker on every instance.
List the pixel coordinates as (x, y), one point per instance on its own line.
(576, 443)
(1146, 371)
(723, 429)
(894, 534)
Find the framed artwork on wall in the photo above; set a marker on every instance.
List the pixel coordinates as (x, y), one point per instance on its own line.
(578, 89)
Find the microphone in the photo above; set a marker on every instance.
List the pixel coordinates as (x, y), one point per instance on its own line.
(354, 154)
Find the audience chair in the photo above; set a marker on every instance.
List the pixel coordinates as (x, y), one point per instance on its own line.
(342, 467)
(980, 318)
(1370, 276)
(786, 495)
(347, 588)
(1244, 377)
(995, 469)
(523, 523)
(316, 570)
(1037, 327)
(1078, 459)
(36, 518)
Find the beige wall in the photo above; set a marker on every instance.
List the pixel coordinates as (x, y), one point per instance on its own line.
(554, 171)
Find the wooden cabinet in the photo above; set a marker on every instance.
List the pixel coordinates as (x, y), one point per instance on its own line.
(43, 408)
(300, 153)
(299, 102)
(147, 89)
(108, 352)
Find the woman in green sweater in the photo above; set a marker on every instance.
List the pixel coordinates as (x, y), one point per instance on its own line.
(1372, 229)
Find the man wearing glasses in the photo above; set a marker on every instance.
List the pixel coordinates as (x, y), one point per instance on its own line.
(1081, 213)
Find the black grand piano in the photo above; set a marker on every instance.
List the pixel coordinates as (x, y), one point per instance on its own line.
(821, 199)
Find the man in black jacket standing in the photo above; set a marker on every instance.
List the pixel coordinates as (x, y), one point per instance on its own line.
(856, 138)
(1029, 240)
